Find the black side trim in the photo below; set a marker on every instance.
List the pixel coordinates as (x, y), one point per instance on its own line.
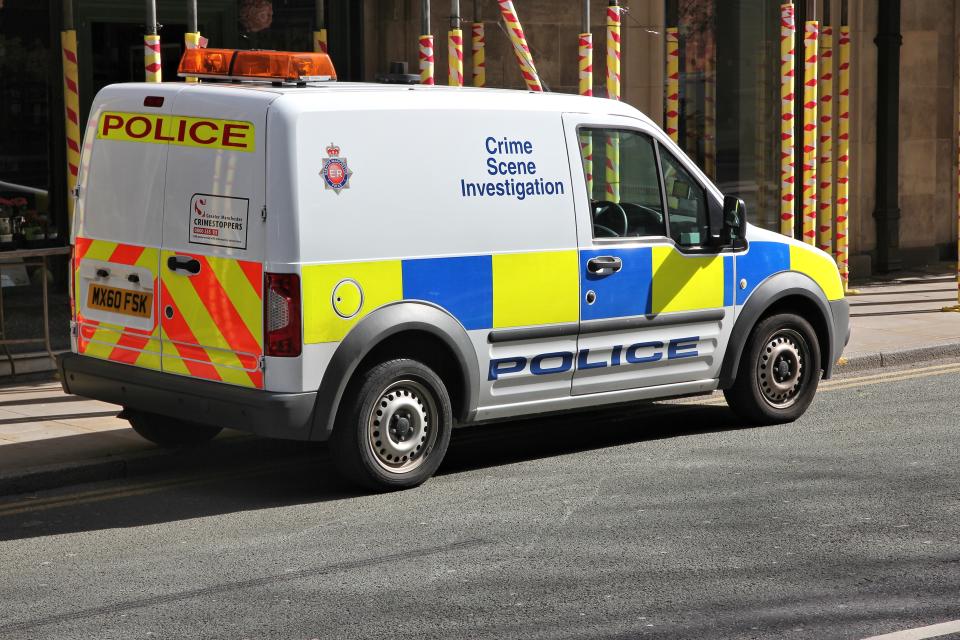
(371, 331)
(642, 322)
(265, 413)
(534, 333)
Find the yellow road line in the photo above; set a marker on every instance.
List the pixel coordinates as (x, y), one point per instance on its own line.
(878, 376)
(850, 383)
(99, 495)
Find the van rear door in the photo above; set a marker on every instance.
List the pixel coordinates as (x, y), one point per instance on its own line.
(118, 226)
(211, 261)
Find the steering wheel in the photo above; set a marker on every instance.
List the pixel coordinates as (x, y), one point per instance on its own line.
(601, 207)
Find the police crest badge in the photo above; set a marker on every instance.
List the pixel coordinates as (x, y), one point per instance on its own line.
(335, 172)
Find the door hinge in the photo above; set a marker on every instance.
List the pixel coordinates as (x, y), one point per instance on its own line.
(262, 363)
(75, 192)
(263, 213)
(74, 329)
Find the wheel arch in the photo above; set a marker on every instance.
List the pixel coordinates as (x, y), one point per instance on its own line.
(417, 330)
(785, 291)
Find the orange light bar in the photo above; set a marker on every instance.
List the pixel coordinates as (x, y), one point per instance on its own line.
(283, 65)
(260, 65)
(205, 62)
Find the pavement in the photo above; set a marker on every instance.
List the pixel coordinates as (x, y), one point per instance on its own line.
(48, 439)
(665, 521)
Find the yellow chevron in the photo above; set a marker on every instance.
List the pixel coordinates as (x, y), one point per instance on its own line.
(195, 315)
(241, 293)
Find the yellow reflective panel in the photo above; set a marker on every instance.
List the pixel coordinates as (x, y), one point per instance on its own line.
(820, 267)
(686, 283)
(376, 284)
(535, 288)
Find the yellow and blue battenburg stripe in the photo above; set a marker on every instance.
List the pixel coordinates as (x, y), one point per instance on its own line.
(656, 280)
(482, 292)
(764, 259)
(541, 288)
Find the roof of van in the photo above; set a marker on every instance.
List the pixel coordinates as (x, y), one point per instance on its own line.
(337, 96)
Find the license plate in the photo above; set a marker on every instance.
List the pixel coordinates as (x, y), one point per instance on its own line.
(129, 303)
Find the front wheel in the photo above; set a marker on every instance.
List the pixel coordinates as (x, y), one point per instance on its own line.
(779, 371)
(393, 427)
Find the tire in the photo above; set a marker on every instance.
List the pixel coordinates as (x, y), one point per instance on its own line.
(779, 371)
(170, 433)
(393, 426)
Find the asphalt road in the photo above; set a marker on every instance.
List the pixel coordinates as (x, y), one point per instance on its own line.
(663, 521)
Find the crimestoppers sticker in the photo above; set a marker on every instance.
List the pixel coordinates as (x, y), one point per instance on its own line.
(220, 221)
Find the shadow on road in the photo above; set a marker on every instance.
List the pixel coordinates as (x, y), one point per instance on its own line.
(231, 477)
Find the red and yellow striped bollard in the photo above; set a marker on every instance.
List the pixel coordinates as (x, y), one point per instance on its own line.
(612, 173)
(810, 109)
(788, 180)
(455, 58)
(192, 41)
(585, 64)
(151, 58)
(673, 83)
(825, 198)
(520, 48)
(426, 59)
(478, 45)
(71, 111)
(320, 41)
(843, 158)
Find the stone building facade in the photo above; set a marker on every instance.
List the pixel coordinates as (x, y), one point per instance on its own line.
(745, 45)
(903, 208)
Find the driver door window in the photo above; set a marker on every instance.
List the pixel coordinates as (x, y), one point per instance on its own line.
(686, 203)
(623, 183)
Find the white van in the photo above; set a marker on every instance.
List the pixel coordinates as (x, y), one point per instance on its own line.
(376, 264)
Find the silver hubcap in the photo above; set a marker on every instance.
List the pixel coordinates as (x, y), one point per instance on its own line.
(780, 369)
(401, 426)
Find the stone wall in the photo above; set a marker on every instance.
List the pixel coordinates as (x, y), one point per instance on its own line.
(928, 125)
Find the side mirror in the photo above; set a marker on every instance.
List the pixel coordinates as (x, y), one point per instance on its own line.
(734, 219)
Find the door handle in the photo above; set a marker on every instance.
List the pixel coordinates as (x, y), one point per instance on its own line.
(184, 263)
(604, 265)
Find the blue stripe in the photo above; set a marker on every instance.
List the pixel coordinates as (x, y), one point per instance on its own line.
(463, 286)
(762, 260)
(729, 282)
(626, 293)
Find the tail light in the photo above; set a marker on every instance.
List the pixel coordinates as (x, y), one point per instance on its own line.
(71, 282)
(283, 315)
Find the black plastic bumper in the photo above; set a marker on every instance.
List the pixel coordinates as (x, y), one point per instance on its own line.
(265, 413)
(840, 310)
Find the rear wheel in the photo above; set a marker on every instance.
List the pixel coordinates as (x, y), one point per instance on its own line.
(393, 426)
(169, 432)
(779, 371)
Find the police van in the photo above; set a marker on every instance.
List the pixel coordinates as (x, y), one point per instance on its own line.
(374, 265)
